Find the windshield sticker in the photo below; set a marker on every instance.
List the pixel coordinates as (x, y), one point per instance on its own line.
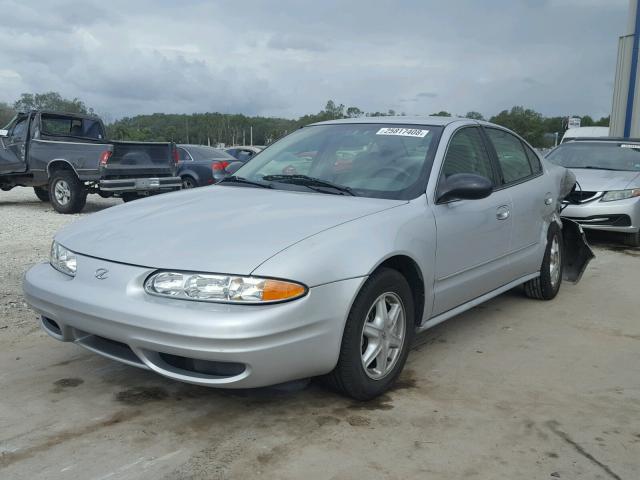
(624, 145)
(403, 132)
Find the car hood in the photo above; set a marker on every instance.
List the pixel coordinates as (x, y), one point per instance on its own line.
(221, 229)
(605, 180)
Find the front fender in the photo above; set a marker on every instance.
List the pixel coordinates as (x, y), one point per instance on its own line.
(355, 248)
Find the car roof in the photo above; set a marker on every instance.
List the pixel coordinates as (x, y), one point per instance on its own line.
(408, 120)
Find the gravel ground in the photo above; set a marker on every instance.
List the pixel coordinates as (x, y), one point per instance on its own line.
(514, 388)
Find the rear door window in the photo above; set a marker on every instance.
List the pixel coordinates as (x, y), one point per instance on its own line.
(511, 155)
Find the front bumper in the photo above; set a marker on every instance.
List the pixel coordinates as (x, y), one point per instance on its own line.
(616, 216)
(232, 346)
(140, 184)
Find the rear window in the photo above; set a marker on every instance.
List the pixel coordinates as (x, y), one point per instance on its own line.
(68, 126)
(208, 153)
(598, 155)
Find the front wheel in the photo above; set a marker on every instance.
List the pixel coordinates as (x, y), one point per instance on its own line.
(377, 337)
(67, 193)
(547, 285)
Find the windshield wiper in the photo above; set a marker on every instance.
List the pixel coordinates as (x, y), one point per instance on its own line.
(311, 182)
(245, 181)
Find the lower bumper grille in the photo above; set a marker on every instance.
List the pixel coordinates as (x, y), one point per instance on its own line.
(608, 220)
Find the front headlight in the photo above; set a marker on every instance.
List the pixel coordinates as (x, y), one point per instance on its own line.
(620, 195)
(62, 259)
(205, 287)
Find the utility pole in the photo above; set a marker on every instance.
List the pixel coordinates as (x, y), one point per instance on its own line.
(186, 121)
(251, 135)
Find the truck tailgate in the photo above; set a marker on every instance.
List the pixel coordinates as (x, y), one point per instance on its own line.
(140, 159)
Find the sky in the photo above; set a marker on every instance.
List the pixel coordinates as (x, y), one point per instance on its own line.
(288, 57)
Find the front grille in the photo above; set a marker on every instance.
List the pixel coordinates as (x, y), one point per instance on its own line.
(580, 196)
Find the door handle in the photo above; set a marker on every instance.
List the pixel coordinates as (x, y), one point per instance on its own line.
(548, 200)
(503, 213)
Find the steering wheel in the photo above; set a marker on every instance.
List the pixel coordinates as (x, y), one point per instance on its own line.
(396, 173)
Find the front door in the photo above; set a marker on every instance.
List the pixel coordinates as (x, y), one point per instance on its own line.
(12, 147)
(473, 236)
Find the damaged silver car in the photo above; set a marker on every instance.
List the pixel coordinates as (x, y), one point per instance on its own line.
(348, 238)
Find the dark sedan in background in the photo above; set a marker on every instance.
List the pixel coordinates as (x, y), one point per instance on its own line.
(199, 165)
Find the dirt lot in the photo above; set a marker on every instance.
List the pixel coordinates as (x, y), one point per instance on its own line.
(515, 388)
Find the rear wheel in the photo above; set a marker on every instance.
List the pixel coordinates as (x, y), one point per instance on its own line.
(376, 338)
(632, 239)
(547, 285)
(66, 192)
(42, 193)
(188, 182)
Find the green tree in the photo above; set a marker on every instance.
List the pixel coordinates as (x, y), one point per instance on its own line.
(603, 122)
(50, 101)
(526, 122)
(474, 115)
(441, 113)
(587, 121)
(353, 112)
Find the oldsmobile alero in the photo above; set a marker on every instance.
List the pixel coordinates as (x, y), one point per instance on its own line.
(321, 257)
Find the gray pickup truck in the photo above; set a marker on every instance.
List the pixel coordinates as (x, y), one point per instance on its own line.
(64, 157)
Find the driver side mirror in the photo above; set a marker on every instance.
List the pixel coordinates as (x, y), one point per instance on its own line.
(464, 186)
(4, 133)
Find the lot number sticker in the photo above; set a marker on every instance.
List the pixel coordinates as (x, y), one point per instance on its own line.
(403, 132)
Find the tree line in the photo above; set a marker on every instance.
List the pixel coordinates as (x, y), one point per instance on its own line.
(232, 129)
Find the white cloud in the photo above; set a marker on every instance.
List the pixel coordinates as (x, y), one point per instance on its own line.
(288, 57)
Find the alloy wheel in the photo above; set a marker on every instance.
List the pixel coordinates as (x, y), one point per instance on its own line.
(383, 335)
(62, 192)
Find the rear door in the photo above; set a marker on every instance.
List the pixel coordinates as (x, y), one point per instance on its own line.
(533, 201)
(473, 236)
(13, 147)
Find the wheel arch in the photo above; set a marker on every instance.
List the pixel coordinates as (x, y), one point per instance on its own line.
(60, 164)
(411, 271)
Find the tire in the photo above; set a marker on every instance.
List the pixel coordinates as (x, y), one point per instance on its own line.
(547, 285)
(66, 192)
(632, 239)
(42, 193)
(188, 182)
(385, 287)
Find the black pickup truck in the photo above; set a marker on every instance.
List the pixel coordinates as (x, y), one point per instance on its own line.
(64, 157)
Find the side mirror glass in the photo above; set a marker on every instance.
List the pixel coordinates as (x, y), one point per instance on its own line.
(464, 186)
(4, 133)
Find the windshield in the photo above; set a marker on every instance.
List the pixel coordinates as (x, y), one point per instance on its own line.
(372, 160)
(603, 155)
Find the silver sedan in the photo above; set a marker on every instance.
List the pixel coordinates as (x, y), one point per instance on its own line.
(608, 174)
(322, 257)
